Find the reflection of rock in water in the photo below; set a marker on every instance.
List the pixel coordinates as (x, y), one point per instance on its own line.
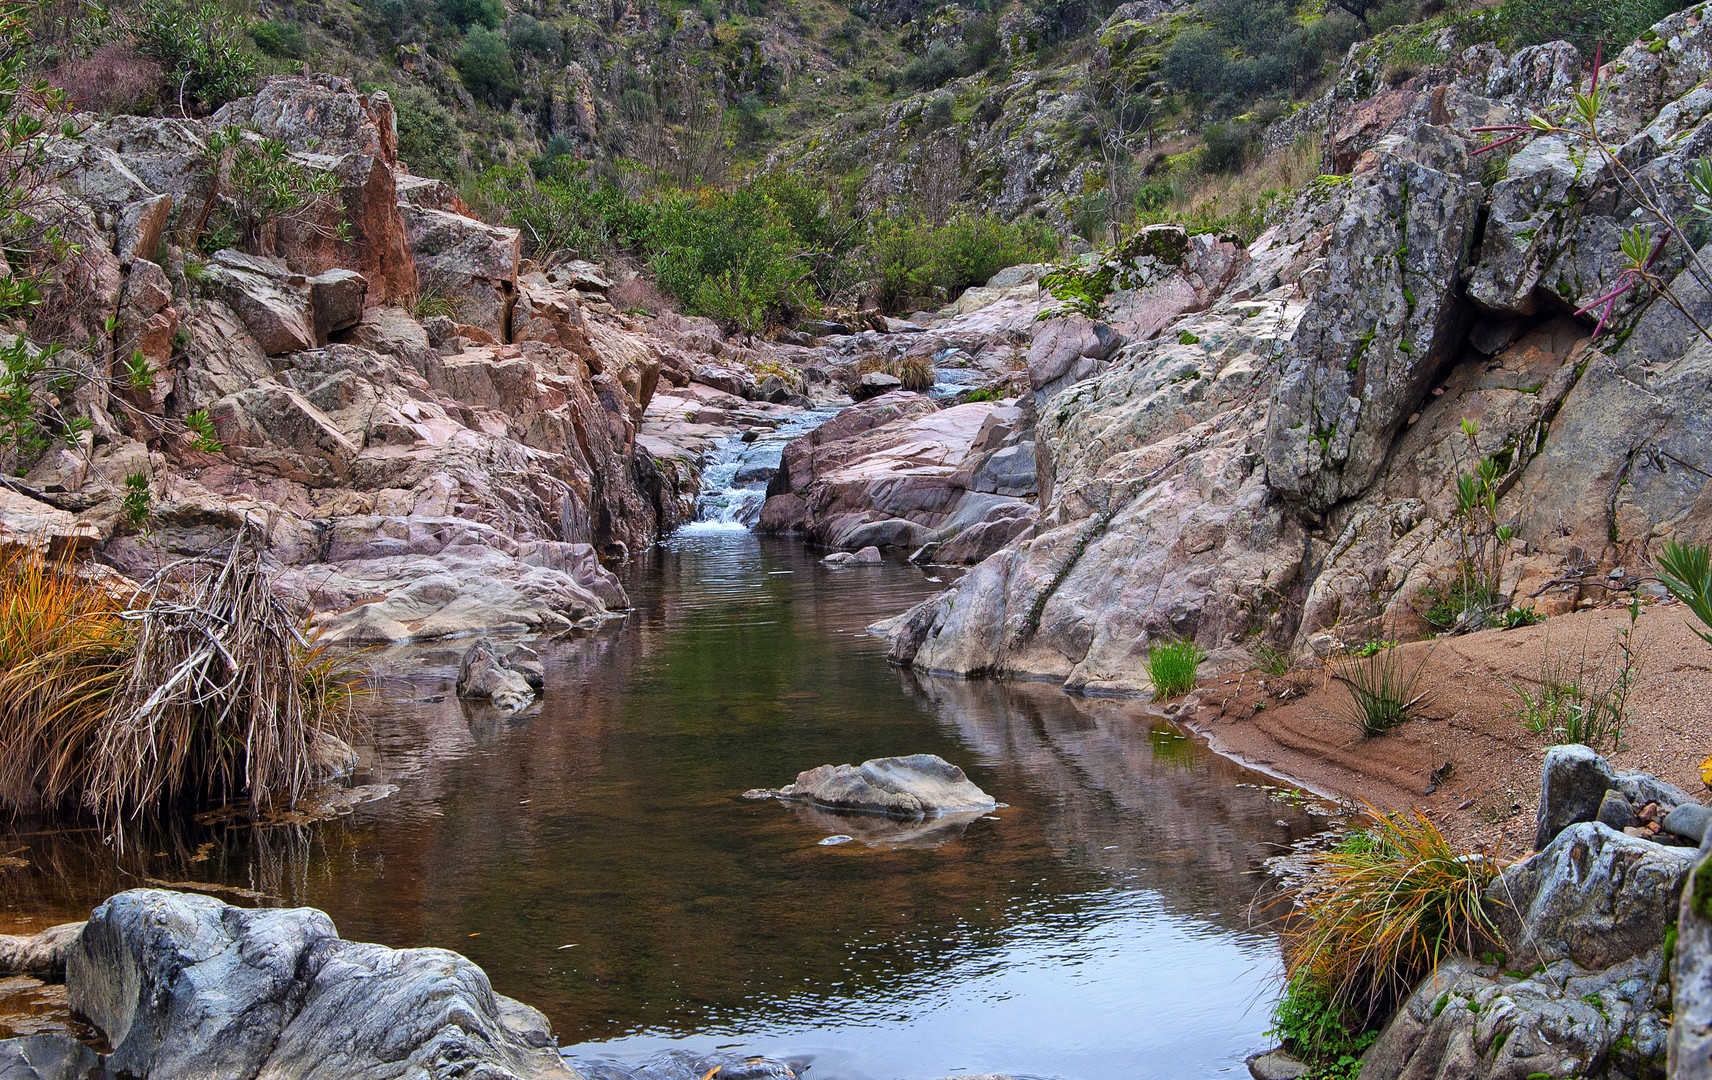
(689, 1065)
(1110, 789)
(880, 831)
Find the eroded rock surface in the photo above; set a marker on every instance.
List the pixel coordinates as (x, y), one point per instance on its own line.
(183, 985)
(1270, 450)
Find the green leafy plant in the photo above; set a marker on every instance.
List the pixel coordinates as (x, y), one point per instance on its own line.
(1686, 571)
(259, 183)
(203, 49)
(1384, 689)
(1517, 617)
(1172, 667)
(200, 428)
(1585, 701)
(1369, 648)
(138, 500)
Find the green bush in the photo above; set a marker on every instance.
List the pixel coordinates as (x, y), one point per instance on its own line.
(530, 35)
(936, 67)
(467, 13)
(914, 261)
(484, 63)
(1584, 22)
(201, 47)
(280, 38)
(427, 137)
(1195, 61)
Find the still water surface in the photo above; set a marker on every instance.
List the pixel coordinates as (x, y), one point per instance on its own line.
(595, 856)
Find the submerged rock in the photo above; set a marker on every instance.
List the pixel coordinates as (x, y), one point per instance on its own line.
(917, 786)
(509, 682)
(183, 985)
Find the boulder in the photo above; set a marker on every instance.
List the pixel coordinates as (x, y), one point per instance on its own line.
(917, 786)
(336, 298)
(483, 673)
(1689, 821)
(1383, 322)
(875, 383)
(47, 1057)
(470, 263)
(272, 301)
(41, 954)
(1690, 1056)
(185, 985)
(1573, 784)
(1593, 896)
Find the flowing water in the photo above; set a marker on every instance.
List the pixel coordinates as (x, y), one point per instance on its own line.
(735, 473)
(596, 857)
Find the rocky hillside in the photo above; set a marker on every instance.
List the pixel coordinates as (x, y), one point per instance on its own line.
(1274, 456)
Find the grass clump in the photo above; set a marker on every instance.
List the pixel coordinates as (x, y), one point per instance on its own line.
(1172, 667)
(1374, 915)
(1585, 701)
(197, 687)
(1383, 688)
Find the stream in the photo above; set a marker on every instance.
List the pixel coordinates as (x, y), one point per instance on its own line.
(594, 855)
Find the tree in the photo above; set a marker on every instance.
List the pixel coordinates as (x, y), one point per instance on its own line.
(1361, 9)
(484, 63)
(464, 14)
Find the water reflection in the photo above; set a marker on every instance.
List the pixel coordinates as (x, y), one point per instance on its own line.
(595, 857)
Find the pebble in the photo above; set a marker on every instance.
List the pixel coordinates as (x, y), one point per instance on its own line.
(838, 839)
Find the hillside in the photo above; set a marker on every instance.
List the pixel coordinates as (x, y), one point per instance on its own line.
(571, 118)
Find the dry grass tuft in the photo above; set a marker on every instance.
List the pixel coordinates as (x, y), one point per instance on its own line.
(202, 687)
(916, 373)
(1378, 911)
(63, 652)
(224, 694)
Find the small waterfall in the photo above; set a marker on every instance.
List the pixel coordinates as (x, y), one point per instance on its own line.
(735, 473)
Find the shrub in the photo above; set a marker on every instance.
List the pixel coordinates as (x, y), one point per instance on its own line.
(1376, 914)
(1195, 61)
(915, 261)
(484, 64)
(116, 78)
(427, 136)
(1383, 689)
(201, 48)
(280, 38)
(261, 183)
(1687, 572)
(1172, 668)
(529, 35)
(1584, 22)
(464, 14)
(932, 69)
(1228, 146)
(938, 113)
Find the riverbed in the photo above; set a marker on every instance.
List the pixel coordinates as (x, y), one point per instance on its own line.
(594, 854)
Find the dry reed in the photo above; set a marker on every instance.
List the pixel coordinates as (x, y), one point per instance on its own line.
(224, 695)
(201, 687)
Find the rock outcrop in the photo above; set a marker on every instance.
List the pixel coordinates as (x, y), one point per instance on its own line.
(507, 682)
(183, 985)
(415, 478)
(1271, 450)
(1579, 988)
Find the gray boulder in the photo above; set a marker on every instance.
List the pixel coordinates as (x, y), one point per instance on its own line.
(1594, 896)
(508, 684)
(187, 986)
(1573, 783)
(1377, 331)
(1691, 977)
(41, 955)
(917, 786)
(876, 383)
(47, 1057)
(273, 302)
(1470, 1021)
(1689, 821)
